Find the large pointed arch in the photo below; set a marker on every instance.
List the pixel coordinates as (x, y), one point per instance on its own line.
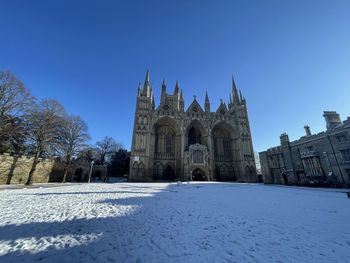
(222, 136)
(196, 133)
(166, 147)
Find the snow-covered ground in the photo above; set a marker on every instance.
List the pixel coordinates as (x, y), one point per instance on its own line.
(161, 222)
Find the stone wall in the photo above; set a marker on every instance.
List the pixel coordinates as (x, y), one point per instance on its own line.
(15, 170)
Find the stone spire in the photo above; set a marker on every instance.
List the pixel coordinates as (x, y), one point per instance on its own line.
(234, 92)
(230, 102)
(242, 99)
(163, 95)
(177, 88)
(139, 90)
(147, 86)
(181, 102)
(206, 103)
(153, 102)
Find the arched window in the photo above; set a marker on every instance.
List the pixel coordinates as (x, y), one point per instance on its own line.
(222, 145)
(194, 136)
(135, 167)
(140, 170)
(168, 143)
(157, 171)
(165, 142)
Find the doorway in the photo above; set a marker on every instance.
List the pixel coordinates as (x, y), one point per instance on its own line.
(198, 175)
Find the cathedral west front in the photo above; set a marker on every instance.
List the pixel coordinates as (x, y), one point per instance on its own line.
(170, 142)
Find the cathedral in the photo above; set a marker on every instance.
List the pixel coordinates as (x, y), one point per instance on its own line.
(171, 143)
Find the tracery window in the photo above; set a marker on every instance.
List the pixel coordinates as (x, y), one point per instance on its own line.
(165, 142)
(194, 136)
(168, 143)
(222, 145)
(158, 170)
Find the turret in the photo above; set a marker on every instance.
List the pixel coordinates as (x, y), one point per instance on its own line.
(242, 99)
(177, 96)
(163, 95)
(182, 102)
(152, 100)
(307, 130)
(139, 90)
(147, 86)
(284, 139)
(177, 89)
(234, 92)
(230, 105)
(332, 119)
(206, 103)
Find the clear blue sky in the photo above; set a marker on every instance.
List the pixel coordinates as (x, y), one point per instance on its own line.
(290, 58)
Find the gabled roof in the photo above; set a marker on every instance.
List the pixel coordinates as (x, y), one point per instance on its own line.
(195, 107)
(222, 109)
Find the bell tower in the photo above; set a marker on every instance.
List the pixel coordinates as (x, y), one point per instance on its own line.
(139, 160)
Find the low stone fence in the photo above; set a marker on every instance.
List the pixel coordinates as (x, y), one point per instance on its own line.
(15, 169)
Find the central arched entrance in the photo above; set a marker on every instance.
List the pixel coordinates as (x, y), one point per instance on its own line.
(195, 133)
(198, 175)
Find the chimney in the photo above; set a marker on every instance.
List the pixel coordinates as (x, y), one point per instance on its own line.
(332, 119)
(284, 139)
(307, 130)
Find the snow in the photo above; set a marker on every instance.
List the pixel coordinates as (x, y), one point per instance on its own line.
(178, 222)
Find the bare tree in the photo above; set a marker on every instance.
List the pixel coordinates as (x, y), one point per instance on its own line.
(14, 101)
(106, 147)
(43, 124)
(88, 154)
(72, 139)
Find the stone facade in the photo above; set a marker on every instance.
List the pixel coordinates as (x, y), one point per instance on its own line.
(171, 143)
(314, 159)
(15, 170)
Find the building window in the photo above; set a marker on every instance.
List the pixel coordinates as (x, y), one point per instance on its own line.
(342, 138)
(345, 154)
(168, 144)
(313, 165)
(310, 148)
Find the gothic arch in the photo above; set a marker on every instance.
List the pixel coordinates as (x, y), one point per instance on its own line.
(164, 142)
(196, 133)
(167, 121)
(222, 136)
(157, 171)
(166, 146)
(169, 172)
(138, 169)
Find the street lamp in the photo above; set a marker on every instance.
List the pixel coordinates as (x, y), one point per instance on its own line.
(92, 165)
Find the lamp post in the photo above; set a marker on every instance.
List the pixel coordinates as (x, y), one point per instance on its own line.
(90, 172)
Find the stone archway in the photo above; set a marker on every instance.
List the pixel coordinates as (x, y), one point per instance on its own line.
(195, 133)
(223, 135)
(198, 175)
(169, 173)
